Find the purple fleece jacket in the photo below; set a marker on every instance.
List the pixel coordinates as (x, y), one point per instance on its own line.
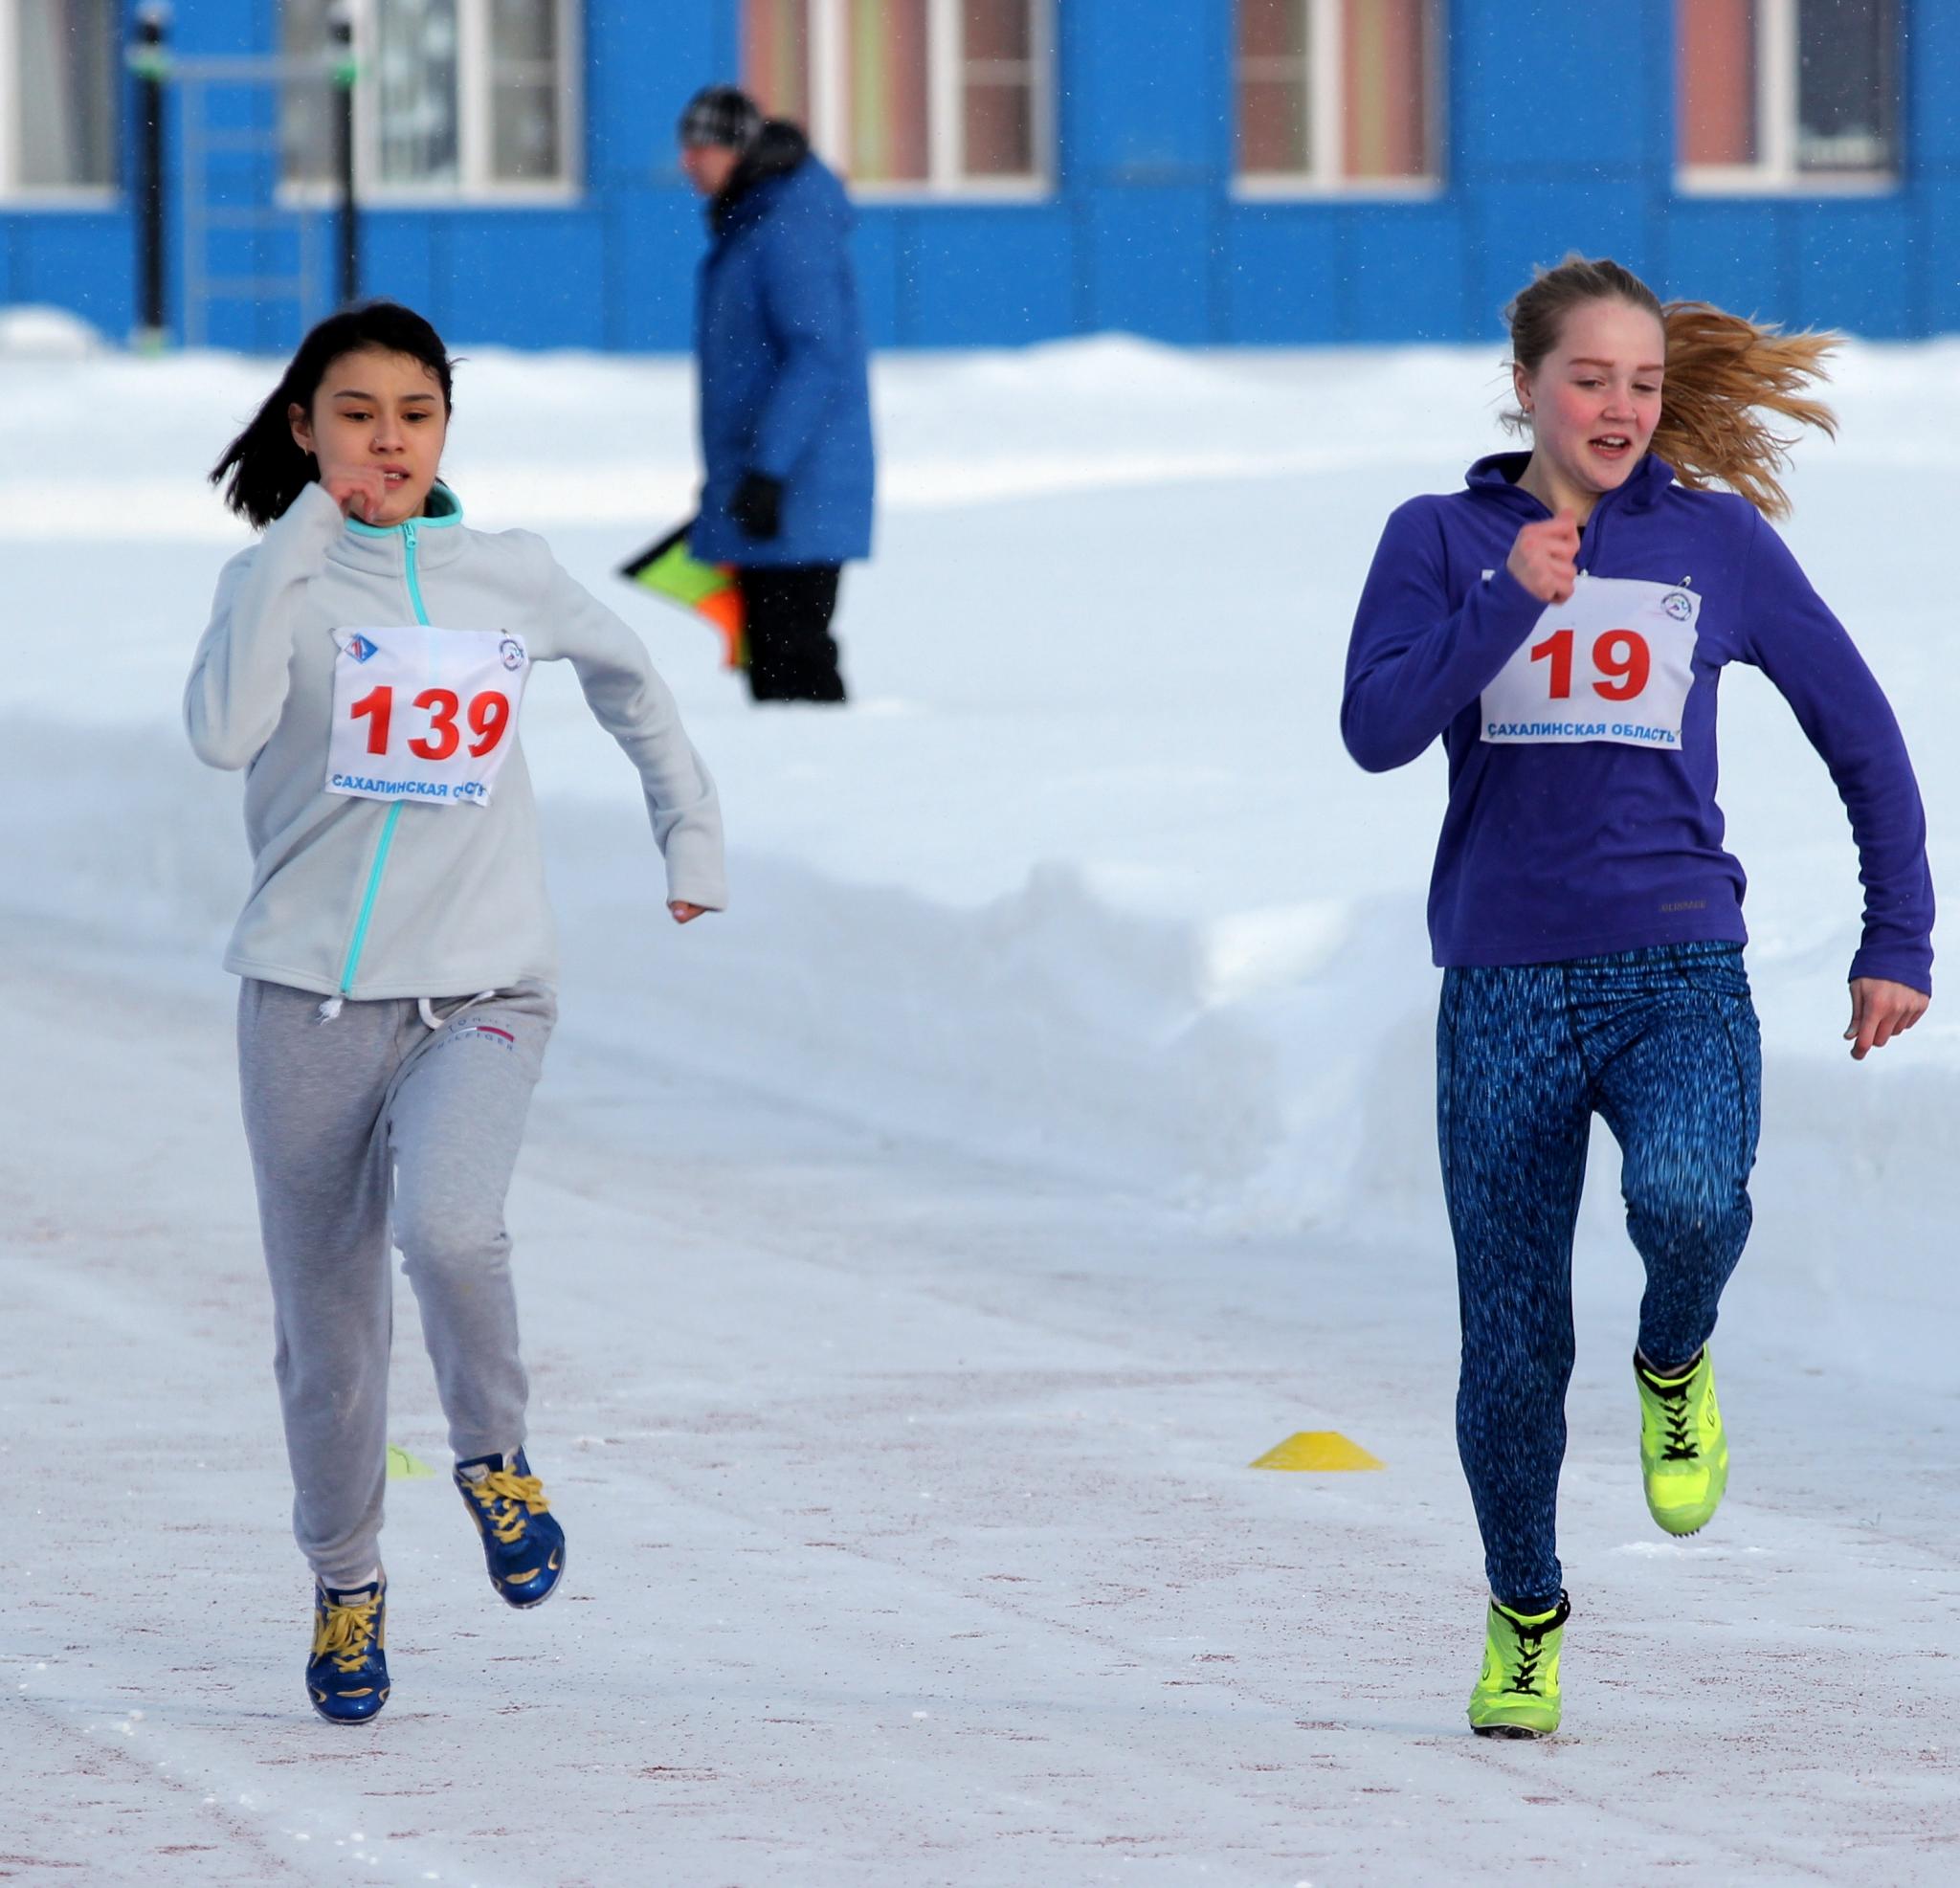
(1558, 850)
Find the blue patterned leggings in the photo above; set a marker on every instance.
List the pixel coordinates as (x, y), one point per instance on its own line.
(1663, 1045)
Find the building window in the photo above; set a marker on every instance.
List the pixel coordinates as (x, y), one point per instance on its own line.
(1337, 95)
(61, 65)
(910, 94)
(1788, 94)
(455, 98)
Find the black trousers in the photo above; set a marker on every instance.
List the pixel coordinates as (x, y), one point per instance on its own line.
(787, 609)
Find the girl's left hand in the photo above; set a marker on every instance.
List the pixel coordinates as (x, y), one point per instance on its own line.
(1878, 1011)
(683, 912)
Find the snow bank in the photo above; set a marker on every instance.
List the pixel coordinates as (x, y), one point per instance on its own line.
(29, 332)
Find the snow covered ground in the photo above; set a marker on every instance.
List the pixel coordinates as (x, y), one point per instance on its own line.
(914, 1258)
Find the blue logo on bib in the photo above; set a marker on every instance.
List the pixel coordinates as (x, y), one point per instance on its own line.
(361, 649)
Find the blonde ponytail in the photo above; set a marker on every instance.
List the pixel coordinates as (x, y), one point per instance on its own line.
(1724, 375)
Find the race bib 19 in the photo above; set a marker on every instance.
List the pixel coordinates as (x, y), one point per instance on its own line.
(422, 713)
(1613, 662)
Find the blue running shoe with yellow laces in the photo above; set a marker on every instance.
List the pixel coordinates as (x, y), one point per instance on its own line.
(346, 1677)
(523, 1546)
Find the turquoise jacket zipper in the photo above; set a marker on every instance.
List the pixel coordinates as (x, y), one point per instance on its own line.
(382, 846)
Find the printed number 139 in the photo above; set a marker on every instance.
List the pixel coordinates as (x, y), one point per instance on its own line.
(1620, 655)
(488, 716)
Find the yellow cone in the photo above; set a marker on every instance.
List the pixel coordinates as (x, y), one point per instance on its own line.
(1318, 1449)
(403, 1466)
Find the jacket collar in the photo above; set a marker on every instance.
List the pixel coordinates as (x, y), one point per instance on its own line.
(382, 547)
(1496, 476)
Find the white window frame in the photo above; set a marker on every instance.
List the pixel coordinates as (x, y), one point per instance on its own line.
(474, 186)
(946, 119)
(15, 194)
(1775, 173)
(1327, 122)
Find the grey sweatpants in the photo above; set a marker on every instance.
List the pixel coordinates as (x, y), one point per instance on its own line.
(364, 1128)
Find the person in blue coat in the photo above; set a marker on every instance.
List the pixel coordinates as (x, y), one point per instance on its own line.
(785, 391)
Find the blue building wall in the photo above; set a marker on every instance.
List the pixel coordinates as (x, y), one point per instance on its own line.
(1559, 133)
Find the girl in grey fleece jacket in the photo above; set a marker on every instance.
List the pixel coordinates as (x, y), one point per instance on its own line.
(364, 664)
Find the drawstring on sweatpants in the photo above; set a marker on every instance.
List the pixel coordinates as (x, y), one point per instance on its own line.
(435, 1022)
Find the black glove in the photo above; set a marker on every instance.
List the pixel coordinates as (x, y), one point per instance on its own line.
(757, 505)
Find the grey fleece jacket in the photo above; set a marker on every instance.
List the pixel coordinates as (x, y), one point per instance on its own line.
(371, 897)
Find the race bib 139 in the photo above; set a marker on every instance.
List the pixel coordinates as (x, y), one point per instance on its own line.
(1613, 662)
(421, 712)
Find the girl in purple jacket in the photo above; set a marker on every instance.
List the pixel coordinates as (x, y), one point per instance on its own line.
(1562, 624)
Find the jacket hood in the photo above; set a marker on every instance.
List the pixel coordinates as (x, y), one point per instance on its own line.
(1496, 476)
(779, 148)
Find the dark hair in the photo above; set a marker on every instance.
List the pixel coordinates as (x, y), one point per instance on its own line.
(268, 469)
(1722, 371)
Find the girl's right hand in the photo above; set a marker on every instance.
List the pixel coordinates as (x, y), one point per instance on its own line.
(359, 493)
(1544, 557)
(1880, 1011)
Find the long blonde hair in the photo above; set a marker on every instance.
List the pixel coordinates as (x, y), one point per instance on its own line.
(1723, 374)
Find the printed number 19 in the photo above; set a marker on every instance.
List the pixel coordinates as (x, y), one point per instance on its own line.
(1620, 655)
(488, 717)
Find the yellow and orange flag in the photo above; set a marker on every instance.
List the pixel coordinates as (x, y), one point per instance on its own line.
(710, 591)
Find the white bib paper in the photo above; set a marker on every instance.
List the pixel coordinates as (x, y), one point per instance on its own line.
(1613, 662)
(424, 714)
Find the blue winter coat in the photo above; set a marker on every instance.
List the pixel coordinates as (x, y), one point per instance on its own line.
(780, 342)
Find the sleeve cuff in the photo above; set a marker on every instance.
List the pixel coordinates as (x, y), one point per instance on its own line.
(1508, 594)
(1914, 968)
(695, 871)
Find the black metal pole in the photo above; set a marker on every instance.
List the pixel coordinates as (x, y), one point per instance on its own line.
(344, 152)
(149, 61)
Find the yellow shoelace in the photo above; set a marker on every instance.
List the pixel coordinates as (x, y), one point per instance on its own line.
(346, 1631)
(515, 1491)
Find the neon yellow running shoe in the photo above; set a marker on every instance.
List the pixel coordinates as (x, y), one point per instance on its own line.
(1516, 1694)
(1684, 1453)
